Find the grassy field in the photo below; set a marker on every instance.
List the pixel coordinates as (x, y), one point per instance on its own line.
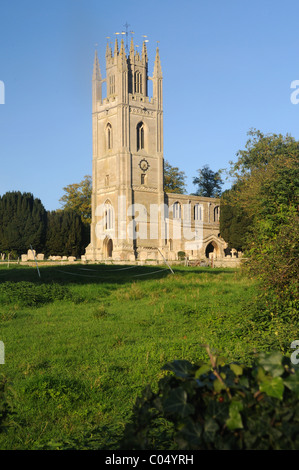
(83, 341)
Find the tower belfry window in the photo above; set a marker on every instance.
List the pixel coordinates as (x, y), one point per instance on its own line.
(140, 136)
(138, 82)
(112, 84)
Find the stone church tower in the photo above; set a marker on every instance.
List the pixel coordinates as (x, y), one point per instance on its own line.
(132, 217)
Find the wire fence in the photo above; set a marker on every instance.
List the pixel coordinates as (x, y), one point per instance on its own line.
(111, 270)
(103, 273)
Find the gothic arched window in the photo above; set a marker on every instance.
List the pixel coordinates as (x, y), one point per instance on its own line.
(216, 214)
(109, 216)
(197, 212)
(138, 82)
(112, 84)
(109, 136)
(140, 136)
(176, 210)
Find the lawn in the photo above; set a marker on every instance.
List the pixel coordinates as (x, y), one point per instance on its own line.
(83, 341)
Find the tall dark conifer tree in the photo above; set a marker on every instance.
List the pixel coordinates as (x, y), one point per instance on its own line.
(22, 222)
(64, 234)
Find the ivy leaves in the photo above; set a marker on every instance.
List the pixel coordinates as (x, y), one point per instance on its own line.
(215, 405)
(176, 403)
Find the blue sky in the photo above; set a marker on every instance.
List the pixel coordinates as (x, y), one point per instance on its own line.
(227, 67)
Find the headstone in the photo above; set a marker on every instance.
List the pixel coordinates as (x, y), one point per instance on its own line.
(30, 255)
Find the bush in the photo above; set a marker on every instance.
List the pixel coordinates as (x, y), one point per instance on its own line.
(219, 406)
(29, 294)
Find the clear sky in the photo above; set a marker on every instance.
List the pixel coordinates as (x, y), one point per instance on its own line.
(227, 67)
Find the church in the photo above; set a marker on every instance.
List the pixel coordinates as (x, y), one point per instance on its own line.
(133, 217)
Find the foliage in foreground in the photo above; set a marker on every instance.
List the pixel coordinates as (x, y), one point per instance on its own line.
(220, 406)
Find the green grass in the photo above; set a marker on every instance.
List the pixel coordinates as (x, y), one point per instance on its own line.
(83, 341)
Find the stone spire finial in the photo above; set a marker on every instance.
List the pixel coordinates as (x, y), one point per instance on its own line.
(116, 48)
(157, 66)
(144, 52)
(108, 51)
(96, 68)
(122, 47)
(132, 47)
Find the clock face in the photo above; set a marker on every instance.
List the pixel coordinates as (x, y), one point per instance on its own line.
(144, 165)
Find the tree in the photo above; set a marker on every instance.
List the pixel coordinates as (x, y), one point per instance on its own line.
(209, 182)
(266, 190)
(266, 175)
(65, 234)
(77, 198)
(23, 221)
(174, 179)
(235, 224)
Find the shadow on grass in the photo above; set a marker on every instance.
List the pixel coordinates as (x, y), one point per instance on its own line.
(90, 274)
(99, 274)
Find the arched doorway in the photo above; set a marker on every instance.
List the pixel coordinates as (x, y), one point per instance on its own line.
(211, 248)
(108, 247)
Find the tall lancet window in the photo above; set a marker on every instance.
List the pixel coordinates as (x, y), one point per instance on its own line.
(176, 210)
(140, 136)
(138, 82)
(197, 212)
(109, 136)
(112, 84)
(109, 216)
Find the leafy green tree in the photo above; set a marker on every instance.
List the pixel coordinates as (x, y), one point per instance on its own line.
(209, 183)
(266, 175)
(267, 191)
(235, 224)
(174, 179)
(22, 222)
(77, 198)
